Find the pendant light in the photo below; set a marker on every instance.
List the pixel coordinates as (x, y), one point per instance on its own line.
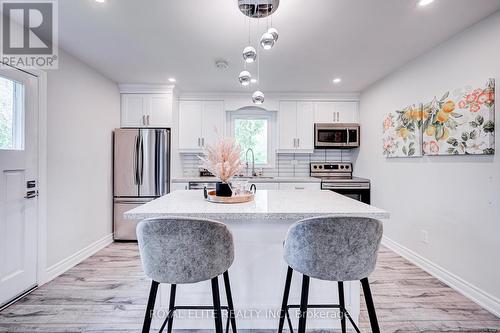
(258, 97)
(245, 78)
(267, 41)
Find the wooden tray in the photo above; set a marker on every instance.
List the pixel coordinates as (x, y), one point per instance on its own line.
(211, 197)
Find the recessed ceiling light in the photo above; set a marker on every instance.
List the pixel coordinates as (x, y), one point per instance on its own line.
(172, 79)
(337, 80)
(423, 3)
(100, 1)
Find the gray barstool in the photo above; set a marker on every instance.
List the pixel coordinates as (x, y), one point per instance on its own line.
(334, 249)
(182, 251)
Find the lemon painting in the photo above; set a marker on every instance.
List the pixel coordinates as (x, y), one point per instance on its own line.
(403, 132)
(461, 123)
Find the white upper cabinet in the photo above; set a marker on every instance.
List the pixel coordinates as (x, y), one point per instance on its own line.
(336, 112)
(190, 125)
(159, 109)
(287, 122)
(296, 124)
(132, 114)
(305, 125)
(146, 110)
(212, 122)
(199, 122)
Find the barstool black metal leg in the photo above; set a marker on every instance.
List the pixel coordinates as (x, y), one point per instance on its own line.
(370, 306)
(284, 304)
(342, 305)
(170, 316)
(303, 304)
(217, 309)
(230, 305)
(171, 305)
(150, 307)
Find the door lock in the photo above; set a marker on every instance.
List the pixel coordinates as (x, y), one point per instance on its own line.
(31, 194)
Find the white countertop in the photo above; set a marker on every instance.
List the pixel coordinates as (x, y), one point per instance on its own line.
(251, 180)
(268, 204)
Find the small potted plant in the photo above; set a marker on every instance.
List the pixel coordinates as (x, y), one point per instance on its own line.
(223, 161)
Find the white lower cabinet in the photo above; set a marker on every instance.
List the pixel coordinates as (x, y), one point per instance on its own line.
(299, 186)
(179, 187)
(266, 186)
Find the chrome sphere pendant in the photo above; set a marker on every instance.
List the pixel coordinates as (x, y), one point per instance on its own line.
(274, 32)
(267, 41)
(245, 78)
(249, 54)
(258, 97)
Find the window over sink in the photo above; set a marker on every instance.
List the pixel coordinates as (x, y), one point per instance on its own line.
(253, 128)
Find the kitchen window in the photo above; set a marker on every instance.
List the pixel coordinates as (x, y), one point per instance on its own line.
(252, 128)
(11, 114)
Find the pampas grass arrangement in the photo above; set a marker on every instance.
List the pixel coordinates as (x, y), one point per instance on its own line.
(223, 159)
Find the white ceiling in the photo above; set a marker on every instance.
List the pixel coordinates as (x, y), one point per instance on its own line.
(147, 41)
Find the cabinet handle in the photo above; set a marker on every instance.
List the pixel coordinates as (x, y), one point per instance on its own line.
(147, 119)
(199, 142)
(300, 188)
(203, 142)
(298, 142)
(143, 119)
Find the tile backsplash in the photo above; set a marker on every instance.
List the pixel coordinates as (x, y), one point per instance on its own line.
(287, 165)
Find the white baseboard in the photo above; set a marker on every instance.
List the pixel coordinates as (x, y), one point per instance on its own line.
(76, 258)
(482, 298)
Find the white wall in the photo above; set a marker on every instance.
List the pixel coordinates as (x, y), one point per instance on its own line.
(456, 199)
(83, 108)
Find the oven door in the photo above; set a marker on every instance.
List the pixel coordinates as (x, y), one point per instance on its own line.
(359, 191)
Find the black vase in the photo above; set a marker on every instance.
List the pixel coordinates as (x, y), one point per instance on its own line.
(223, 190)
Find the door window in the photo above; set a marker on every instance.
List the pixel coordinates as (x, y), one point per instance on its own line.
(11, 115)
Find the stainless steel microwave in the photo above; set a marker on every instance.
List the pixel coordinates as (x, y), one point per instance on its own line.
(336, 135)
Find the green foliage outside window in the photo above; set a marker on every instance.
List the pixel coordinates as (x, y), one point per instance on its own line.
(252, 133)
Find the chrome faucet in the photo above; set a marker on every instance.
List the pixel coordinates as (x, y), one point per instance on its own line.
(254, 174)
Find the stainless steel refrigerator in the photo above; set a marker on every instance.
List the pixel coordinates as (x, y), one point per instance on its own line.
(141, 173)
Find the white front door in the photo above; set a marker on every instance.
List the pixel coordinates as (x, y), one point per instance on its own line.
(18, 182)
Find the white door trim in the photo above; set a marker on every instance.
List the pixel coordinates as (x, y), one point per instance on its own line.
(42, 174)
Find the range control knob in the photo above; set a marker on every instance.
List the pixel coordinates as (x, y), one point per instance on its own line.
(321, 167)
(341, 166)
(315, 167)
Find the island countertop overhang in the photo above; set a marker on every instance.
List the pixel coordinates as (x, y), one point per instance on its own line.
(268, 205)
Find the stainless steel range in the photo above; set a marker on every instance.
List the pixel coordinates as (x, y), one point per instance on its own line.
(337, 177)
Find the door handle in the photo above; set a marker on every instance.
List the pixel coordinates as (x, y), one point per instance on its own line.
(31, 194)
(141, 155)
(136, 160)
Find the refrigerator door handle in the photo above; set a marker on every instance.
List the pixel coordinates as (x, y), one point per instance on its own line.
(141, 159)
(136, 161)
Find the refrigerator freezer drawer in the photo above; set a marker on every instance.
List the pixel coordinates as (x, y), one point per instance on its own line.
(124, 229)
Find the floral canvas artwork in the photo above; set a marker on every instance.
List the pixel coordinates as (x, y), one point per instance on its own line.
(403, 132)
(461, 122)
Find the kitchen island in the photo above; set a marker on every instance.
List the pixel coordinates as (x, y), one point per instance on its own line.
(258, 272)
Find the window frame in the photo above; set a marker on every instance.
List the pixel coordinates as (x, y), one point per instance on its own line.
(18, 116)
(253, 113)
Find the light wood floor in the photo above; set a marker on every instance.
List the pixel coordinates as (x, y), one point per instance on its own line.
(108, 293)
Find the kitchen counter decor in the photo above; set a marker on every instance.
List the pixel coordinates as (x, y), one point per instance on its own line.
(246, 196)
(223, 160)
